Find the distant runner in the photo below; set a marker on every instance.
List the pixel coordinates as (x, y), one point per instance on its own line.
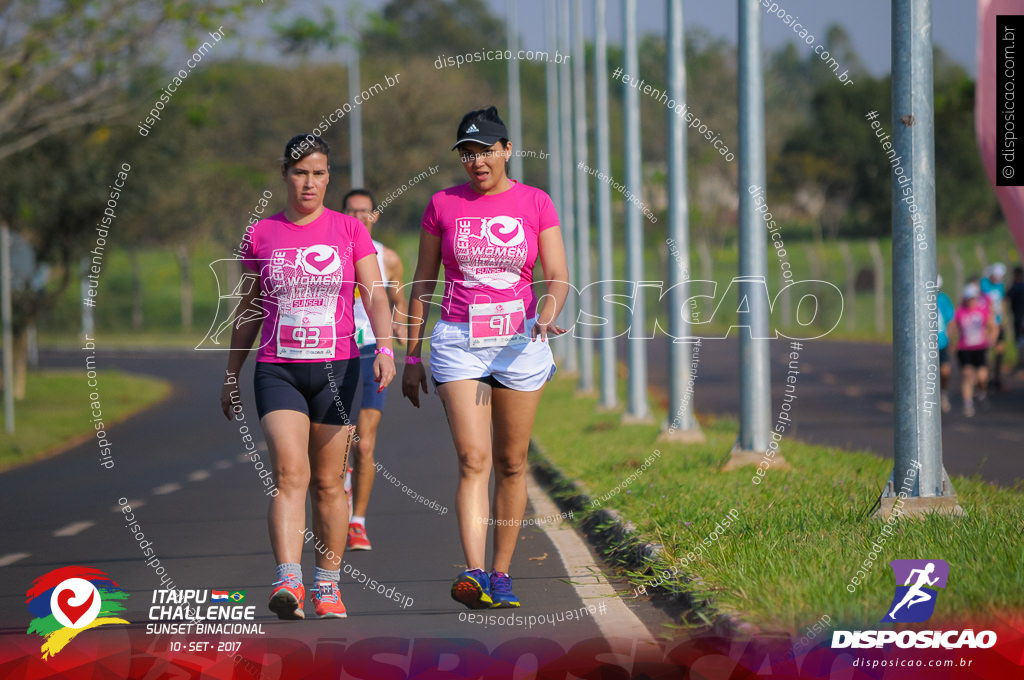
(308, 259)
(359, 204)
(976, 328)
(946, 314)
(489, 353)
(993, 288)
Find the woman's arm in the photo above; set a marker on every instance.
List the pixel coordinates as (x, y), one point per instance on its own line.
(424, 282)
(556, 273)
(244, 329)
(371, 290)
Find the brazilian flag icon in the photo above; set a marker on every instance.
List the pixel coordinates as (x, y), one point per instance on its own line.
(237, 596)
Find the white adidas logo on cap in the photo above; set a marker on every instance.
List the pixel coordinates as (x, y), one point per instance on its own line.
(472, 128)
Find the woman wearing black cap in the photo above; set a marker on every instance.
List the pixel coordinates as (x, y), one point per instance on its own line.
(489, 353)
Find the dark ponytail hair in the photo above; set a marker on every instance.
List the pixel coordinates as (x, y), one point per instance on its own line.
(300, 146)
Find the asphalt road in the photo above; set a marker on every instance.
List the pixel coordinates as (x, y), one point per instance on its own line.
(200, 503)
(845, 399)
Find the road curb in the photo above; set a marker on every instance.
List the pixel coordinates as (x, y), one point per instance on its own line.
(617, 541)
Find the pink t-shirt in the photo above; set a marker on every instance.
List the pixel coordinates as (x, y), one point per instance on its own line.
(307, 276)
(973, 325)
(489, 245)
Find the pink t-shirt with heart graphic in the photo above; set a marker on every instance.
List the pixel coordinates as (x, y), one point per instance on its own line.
(489, 245)
(973, 325)
(307, 277)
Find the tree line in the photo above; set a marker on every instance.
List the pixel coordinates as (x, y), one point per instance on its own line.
(73, 89)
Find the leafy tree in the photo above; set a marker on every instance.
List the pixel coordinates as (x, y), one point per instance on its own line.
(62, 63)
(54, 196)
(964, 200)
(303, 35)
(68, 68)
(433, 27)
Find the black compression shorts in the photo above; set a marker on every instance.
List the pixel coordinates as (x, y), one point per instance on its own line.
(971, 357)
(323, 390)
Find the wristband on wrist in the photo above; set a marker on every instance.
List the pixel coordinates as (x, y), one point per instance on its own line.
(386, 351)
(411, 360)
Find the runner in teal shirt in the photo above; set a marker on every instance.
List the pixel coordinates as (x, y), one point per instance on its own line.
(946, 313)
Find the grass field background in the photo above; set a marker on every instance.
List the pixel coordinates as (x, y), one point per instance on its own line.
(162, 308)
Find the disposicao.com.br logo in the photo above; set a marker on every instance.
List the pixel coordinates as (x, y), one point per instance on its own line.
(914, 599)
(70, 600)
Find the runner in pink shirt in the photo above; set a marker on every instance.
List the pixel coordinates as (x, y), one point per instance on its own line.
(976, 329)
(489, 353)
(308, 260)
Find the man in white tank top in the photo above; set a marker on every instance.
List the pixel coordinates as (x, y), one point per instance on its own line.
(359, 203)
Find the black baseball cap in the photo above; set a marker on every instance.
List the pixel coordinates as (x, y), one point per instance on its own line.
(481, 131)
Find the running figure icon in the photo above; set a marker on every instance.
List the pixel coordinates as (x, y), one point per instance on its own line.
(916, 595)
(917, 589)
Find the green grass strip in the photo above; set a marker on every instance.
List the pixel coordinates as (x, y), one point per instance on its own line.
(797, 539)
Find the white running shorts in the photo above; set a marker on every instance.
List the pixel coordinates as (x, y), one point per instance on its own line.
(523, 367)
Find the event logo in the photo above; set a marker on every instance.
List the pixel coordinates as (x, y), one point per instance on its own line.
(504, 231)
(69, 600)
(914, 601)
(319, 260)
(491, 251)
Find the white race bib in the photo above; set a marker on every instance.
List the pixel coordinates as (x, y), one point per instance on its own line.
(497, 324)
(306, 334)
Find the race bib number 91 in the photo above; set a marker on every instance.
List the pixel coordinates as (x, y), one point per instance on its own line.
(497, 324)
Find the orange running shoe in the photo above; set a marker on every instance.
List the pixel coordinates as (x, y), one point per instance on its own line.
(287, 598)
(357, 539)
(327, 601)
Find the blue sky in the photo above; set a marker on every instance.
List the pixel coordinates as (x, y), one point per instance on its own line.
(954, 23)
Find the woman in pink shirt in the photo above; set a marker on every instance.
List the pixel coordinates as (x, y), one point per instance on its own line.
(308, 260)
(489, 353)
(976, 329)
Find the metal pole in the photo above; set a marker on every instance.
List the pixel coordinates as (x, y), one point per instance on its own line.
(609, 397)
(8, 331)
(755, 389)
(568, 168)
(917, 465)
(515, 107)
(638, 409)
(88, 318)
(681, 424)
(355, 121)
(582, 331)
(554, 142)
